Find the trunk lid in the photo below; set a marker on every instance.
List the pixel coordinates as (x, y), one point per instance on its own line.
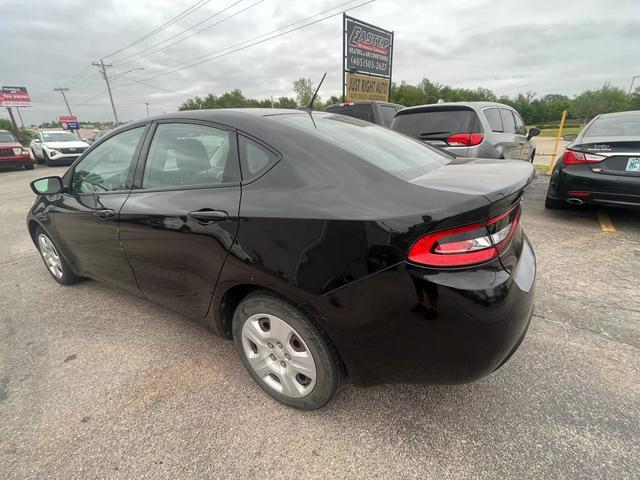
(621, 154)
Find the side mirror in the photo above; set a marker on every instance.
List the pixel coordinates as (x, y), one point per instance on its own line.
(570, 137)
(533, 132)
(36, 140)
(47, 186)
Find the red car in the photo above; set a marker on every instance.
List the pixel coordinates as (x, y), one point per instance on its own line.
(12, 154)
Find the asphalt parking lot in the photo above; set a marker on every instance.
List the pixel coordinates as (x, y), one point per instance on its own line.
(97, 383)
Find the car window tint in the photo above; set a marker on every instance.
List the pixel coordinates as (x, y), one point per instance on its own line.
(254, 158)
(361, 111)
(184, 154)
(398, 155)
(106, 167)
(520, 127)
(494, 119)
(436, 123)
(388, 112)
(508, 124)
(624, 126)
(6, 137)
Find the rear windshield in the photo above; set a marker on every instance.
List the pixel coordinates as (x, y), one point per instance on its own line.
(623, 126)
(6, 137)
(362, 111)
(396, 154)
(435, 124)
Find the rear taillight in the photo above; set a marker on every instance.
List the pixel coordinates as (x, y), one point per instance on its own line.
(465, 139)
(467, 245)
(346, 104)
(572, 158)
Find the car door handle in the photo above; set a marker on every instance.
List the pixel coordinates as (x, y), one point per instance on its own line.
(105, 213)
(208, 215)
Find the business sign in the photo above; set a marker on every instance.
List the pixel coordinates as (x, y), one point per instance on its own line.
(69, 122)
(364, 87)
(14, 97)
(368, 49)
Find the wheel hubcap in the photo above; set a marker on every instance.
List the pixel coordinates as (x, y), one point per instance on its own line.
(277, 353)
(50, 255)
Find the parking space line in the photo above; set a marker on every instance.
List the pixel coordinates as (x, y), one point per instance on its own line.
(605, 221)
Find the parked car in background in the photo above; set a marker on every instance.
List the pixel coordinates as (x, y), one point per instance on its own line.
(380, 113)
(470, 129)
(12, 153)
(57, 147)
(601, 165)
(321, 244)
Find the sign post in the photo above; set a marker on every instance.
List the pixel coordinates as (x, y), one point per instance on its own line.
(367, 60)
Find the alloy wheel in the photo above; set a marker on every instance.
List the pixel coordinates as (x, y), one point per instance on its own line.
(50, 255)
(279, 355)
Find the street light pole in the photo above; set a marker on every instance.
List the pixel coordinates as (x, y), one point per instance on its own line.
(103, 68)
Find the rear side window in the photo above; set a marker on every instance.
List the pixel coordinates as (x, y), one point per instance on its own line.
(494, 119)
(388, 112)
(254, 158)
(435, 124)
(398, 155)
(508, 124)
(184, 154)
(520, 128)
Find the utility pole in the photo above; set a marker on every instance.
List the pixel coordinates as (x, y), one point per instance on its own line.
(64, 97)
(147, 105)
(20, 116)
(633, 79)
(103, 68)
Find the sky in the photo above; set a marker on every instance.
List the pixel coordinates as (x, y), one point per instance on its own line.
(509, 47)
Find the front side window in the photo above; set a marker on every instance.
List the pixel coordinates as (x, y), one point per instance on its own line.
(106, 168)
(184, 154)
(508, 124)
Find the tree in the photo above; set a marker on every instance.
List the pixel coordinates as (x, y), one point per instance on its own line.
(603, 100)
(303, 87)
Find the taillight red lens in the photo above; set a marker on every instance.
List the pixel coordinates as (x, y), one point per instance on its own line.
(465, 139)
(572, 158)
(466, 245)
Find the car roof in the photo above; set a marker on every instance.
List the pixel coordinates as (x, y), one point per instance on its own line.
(630, 113)
(472, 105)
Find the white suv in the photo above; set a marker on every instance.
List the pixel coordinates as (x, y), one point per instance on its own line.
(56, 147)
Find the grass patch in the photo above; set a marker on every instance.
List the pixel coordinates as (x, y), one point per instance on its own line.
(553, 132)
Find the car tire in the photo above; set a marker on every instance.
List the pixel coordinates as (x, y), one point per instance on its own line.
(46, 159)
(553, 204)
(285, 352)
(28, 166)
(55, 263)
(36, 158)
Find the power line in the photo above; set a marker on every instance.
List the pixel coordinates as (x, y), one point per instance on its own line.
(135, 54)
(181, 15)
(151, 85)
(192, 63)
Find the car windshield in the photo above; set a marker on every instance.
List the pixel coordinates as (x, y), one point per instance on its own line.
(7, 137)
(620, 126)
(58, 137)
(394, 153)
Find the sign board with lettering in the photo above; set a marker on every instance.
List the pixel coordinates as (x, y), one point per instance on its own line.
(14, 97)
(364, 87)
(69, 122)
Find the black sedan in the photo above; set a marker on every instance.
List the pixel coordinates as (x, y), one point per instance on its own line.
(321, 244)
(601, 166)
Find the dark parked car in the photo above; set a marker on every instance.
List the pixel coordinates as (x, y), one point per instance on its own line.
(601, 166)
(470, 129)
(12, 154)
(380, 113)
(321, 244)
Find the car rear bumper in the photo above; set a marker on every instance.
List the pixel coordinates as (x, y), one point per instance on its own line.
(594, 188)
(415, 325)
